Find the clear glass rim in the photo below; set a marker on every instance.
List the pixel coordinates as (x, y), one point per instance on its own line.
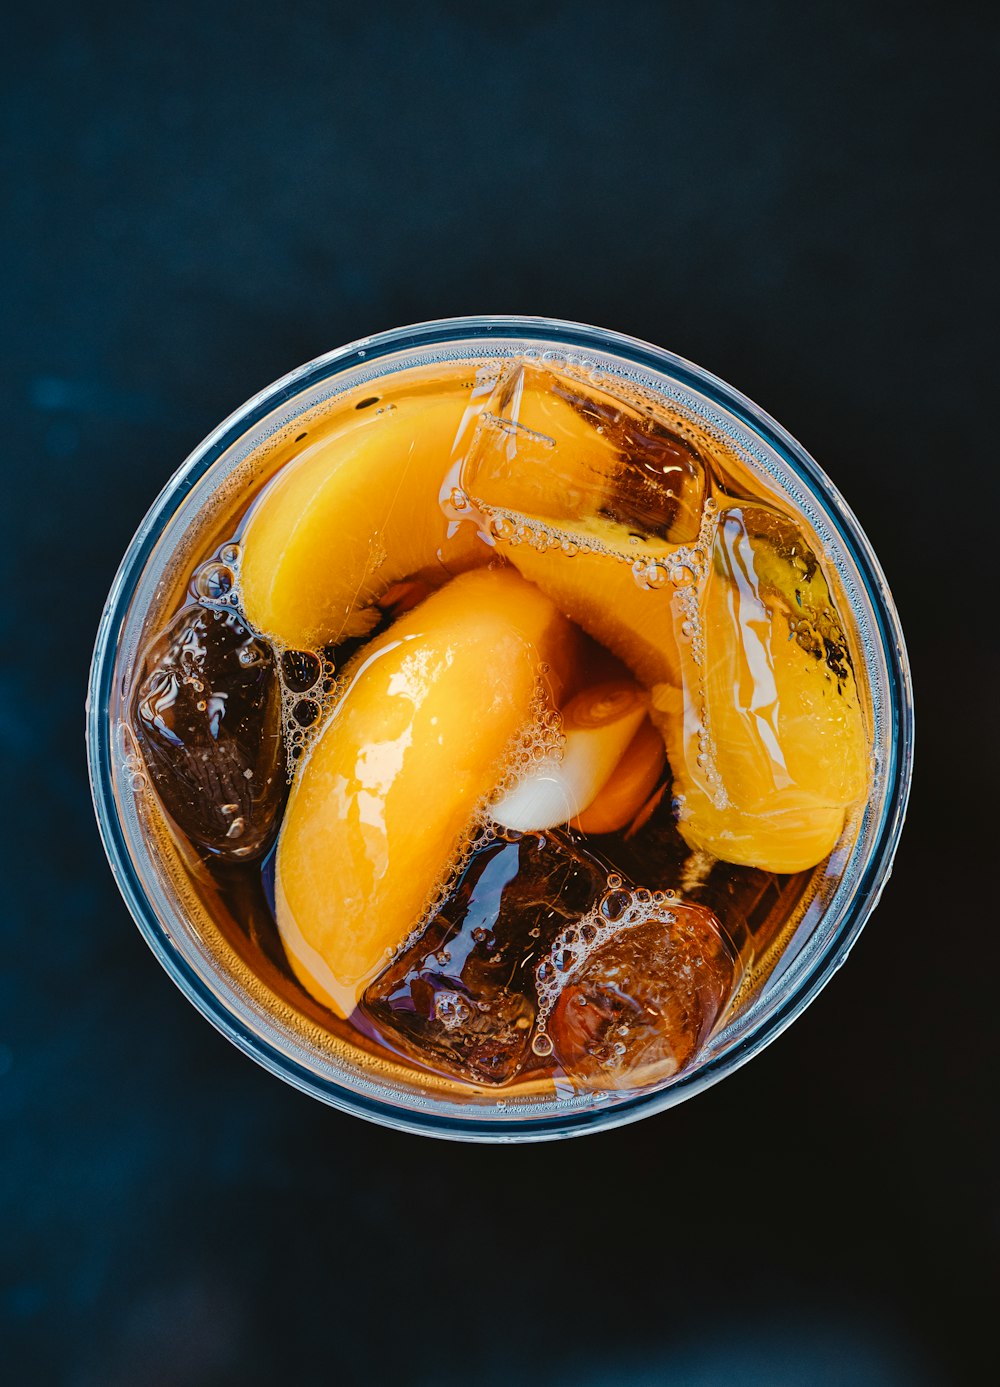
(896, 772)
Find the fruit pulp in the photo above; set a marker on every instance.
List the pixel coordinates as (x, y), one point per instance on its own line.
(430, 581)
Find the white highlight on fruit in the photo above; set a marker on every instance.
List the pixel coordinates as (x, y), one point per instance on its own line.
(598, 725)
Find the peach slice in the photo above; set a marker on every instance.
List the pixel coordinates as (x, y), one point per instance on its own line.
(350, 517)
(420, 737)
(600, 593)
(628, 788)
(370, 504)
(597, 726)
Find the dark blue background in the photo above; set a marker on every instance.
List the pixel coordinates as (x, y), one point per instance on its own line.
(198, 198)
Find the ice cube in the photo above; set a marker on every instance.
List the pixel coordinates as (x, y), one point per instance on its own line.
(643, 1003)
(207, 717)
(590, 462)
(463, 998)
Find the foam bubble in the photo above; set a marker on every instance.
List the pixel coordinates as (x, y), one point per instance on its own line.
(618, 909)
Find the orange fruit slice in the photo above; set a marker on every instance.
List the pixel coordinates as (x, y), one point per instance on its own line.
(600, 593)
(379, 812)
(629, 786)
(353, 515)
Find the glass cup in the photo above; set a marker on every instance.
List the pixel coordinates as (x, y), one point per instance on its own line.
(221, 982)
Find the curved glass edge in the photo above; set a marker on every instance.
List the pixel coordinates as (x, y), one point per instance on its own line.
(612, 1112)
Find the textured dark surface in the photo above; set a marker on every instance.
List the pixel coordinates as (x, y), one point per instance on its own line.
(197, 199)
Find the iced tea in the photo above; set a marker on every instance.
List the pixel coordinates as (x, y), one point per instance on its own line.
(502, 718)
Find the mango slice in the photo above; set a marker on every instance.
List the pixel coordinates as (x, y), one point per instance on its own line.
(422, 734)
(354, 514)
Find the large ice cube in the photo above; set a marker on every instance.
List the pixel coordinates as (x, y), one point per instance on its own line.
(463, 998)
(597, 467)
(642, 1003)
(207, 717)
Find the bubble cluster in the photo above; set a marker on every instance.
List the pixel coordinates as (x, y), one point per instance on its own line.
(306, 677)
(541, 739)
(620, 907)
(215, 583)
(681, 567)
(451, 1009)
(651, 574)
(308, 690)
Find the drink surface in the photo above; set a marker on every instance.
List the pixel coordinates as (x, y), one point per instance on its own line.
(502, 719)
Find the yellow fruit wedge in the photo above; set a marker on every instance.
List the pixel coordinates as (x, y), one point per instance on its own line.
(422, 734)
(629, 786)
(351, 516)
(597, 726)
(767, 742)
(600, 593)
